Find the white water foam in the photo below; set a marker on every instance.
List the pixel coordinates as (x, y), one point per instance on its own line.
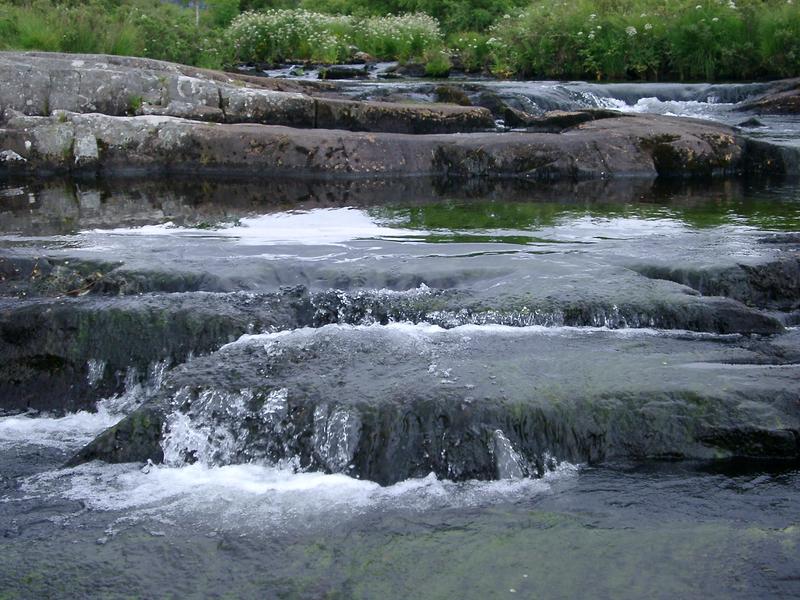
(675, 108)
(423, 330)
(73, 430)
(69, 431)
(253, 496)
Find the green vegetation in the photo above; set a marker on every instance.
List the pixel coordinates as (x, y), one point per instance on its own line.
(650, 39)
(148, 28)
(589, 39)
(277, 35)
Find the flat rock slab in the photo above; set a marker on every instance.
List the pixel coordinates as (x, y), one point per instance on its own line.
(641, 146)
(37, 84)
(389, 403)
(53, 347)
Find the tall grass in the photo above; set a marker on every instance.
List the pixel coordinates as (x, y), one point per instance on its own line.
(588, 39)
(278, 35)
(650, 39)
(139, 28)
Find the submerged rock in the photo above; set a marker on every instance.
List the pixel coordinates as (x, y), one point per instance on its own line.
(774, 284)
(64, 355)
(452, 95)
(556, 121)
(389, 403)
(70, 312)
(751, 122)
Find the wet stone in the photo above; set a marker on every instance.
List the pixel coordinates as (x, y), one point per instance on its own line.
(366, 401)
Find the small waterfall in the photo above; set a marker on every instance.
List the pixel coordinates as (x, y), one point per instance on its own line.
(336, 435)
(207, 427)
(95, 368)
(508, 462)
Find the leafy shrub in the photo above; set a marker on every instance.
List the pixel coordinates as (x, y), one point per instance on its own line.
(649, 39)
(401, 37)
(279, 35)
(169, 33)
(437, 63)
(711, 40)
(473, 50)
(143, 28)
(779, 39)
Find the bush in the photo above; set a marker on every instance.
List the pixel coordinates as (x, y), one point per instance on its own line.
(402, 37)
(168, 32)
(779, 39)
(649, 39)
(144, 28)
(281, 35)
(86, 27)
(473, 49)
(711, 40)
(437, 63)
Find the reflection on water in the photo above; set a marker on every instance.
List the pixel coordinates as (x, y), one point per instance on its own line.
(292, 211)
(765, 210)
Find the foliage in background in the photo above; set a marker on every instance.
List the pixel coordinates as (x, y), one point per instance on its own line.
(148, 28)
(278, 35)
(587, 39)
(650, 39)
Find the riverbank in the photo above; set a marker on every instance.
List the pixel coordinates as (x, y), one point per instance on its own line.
(641, 40)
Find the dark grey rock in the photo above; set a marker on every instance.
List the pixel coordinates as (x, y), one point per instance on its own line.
(638, 146)
(343, 72)
(387, 404)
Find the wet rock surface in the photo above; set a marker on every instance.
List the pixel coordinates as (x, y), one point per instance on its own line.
(36, 84)
(693, 357)
(104, 115)
(391, 403)
(783, 98)
(643, 146)
(575, 387)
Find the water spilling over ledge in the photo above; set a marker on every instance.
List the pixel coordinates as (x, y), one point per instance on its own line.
(387, 403)
(232, 261)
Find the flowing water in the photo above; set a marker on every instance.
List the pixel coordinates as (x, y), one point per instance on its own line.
(578, 365)
(723, 103)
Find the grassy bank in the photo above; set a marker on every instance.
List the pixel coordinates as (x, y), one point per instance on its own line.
(650, 39)
(127, 27)
(680, 40)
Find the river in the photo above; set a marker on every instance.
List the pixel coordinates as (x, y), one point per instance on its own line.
(619, 345)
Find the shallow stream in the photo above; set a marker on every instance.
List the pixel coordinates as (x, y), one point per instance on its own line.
(645, 306)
